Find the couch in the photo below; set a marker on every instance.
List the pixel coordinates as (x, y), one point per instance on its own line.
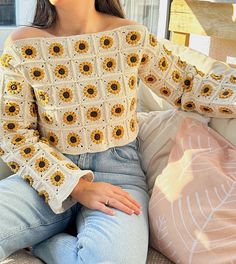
(147, 102)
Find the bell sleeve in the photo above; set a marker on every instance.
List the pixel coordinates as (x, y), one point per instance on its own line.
(49, 172)
(183, 85)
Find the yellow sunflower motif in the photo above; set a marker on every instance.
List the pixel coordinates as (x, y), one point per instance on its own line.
(202, 74)
(81, 46)
(189, 106)
(226, 93)
(152, 40)
(36, 133)
(61, 71)
(33, 110)
(66, 95)
(47, 118)
(168, 52)
(225, 110)
(1, 152)
(97, 136)
(176, 76)
(93, 113)
(43, 97)
(163, 64)
(5, 60)
(109, 64)
(56, 155)
(86, 68)
(187, 84)
(73, 139)
(28, 52)
(14, 166)
(118, 132)
(44, 140)
(216, 77)
(117, 110)
(28, 179)
(37, 74)
(132, 124)
(12, 109)
(106, 42)
(133, 37)
(57, 178)
(165, 91)
(70, 117)
(27, 152)
(18, 139)
(206, 90)
(144, 59)
(41, 164)
(90, 91)
(150, 78)
(181, 64)
(53, 138)
(132, 82)
(72, 166)
(14, 87)
(132, 104)
(56, 49)
(177, 102)
(11, 126)
(206, 109)
(133, 59)
(45, 196)
(114, 87)
(233, 79)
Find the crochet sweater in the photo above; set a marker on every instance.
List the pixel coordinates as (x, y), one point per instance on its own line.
(78, 94)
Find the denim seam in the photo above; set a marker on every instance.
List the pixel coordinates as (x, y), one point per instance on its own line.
(32, 227)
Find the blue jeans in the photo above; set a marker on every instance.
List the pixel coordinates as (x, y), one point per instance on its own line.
(79, 235)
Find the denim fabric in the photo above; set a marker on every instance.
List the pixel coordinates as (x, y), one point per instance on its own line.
(79, 235)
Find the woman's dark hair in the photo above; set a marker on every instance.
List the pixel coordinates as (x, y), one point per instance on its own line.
(46, 15)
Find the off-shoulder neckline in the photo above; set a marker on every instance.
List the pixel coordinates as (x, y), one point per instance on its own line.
(15, 42)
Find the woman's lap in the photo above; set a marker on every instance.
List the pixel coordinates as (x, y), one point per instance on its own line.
(100, 236)
(25, 218)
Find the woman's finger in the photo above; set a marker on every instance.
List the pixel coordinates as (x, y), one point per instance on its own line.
(124, 200)
(126, 194)
(120, 206)
(102, 207)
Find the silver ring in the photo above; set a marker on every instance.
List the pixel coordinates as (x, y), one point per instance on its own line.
(107, 202)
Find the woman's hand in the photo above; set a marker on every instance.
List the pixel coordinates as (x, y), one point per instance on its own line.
(94, 195)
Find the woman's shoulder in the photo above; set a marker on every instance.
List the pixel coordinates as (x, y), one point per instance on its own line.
(120, 22)
(23, 33)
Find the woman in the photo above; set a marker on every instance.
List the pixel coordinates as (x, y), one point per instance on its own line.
(106, 212)
(69, 131)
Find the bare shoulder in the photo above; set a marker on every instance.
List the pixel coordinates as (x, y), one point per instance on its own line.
(127, 22)
(23, 33)
(119, 22)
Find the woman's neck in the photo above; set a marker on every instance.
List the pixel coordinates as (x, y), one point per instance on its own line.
(77, 17)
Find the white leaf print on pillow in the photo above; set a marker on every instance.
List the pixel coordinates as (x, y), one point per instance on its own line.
(196, 195)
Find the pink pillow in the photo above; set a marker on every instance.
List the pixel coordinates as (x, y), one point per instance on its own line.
(193, 204)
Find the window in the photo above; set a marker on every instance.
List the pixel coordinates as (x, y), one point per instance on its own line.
(7, 13)
(148, 12)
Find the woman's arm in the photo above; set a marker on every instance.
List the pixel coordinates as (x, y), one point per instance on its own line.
(49, 172)
(183, 85)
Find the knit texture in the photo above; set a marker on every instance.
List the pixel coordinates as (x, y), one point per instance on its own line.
(78, 94)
